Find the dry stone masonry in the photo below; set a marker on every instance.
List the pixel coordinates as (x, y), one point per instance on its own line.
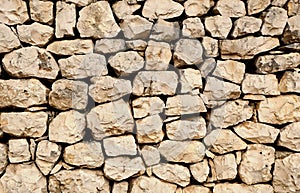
(150, 96)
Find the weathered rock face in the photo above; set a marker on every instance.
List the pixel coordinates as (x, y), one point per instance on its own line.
(65, 19)
(8, 39)
(13, 12)
(257, 6)
(165, 31)
(122, 8)
(149, 129)
(218, 26)
(70, 47)
(235, 8)
(108, 46)
(135, 27)
(230, 70)
(193, 28)
(118, 146)
(184, 104)
(3, 157)
(18, 151)
(190, 81)
(211, 47)
(289, 137)
(274, 21)
(292, 31)
(260, 84)
(196, 188)
(197, 7)
(150, 155)
(164, 9)
(80, 3)
(158, 56)
(120, 187)
(200, 170)
(239, 188)
(145, 184)
(41, 11)
(293, 7)
(225, 166)
(146, 106)
(246, 25)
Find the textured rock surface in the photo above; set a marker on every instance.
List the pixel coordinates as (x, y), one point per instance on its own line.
(65, 19)
(134, 27)
(8, 39)
(118, 146)
(70, 47)
(108, 46)
(254, 6)
(218, 26)
(3, 157)
(158, 56)
(18, 151)
(146, 106)
(237, 188)
(230, 70)
(274, 21)
(122, 8)
(41, 11)
(289, 137)
(211, 46)
(13, 12)
(193, 28)
(290, 82)
(184, 104)
(151, 185)
(149, 129)
(197, 7)
(292, 31)
(165, 31)
(246, 25)
(200, 170)
(190, 81)
(225, 166)
(164, 9)
(260, 84)
(235, 8)
(150, 155)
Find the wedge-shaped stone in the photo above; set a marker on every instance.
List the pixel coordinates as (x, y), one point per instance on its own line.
(136, 27)
(121, 145)
(290, 137)
(65, 19)
(13, 12)
(146, 106)
(8, 39)
(230, 70)
(71, 47)
(145, 184)
(164, 9)
(184, 104)
(242, 188)
(260, 84)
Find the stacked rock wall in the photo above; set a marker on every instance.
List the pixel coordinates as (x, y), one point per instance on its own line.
(150, 96)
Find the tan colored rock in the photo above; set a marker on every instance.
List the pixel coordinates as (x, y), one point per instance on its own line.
(256, 164)
(119, 146)
(247, 47)
(274, 21)
(18, 151)
(150, 83)
(136, 27)
(145, 184)
(146, 106)
(225, 166)
(260, 84)
(165, 31)
(109, 119)
(123, 8)
(80, 3)
(97, 21)
(193, 28)
(279, 3)
(292, 31)
(41, 11)
(150, 155)
(149, 129)
(84, 154)
(3, 158)
(254, 97)
(182, 151)
(229, 8)
(289, 137)
(8, 39)
(274, 63)
(158, 56)
(13, 12)
(293, 7)
(71, 47)
(109, 46)
(290, 82)
(30, 62)
(246, 25)
(65, 19)
(22, 93)
(195, 189)
(242, 188)
(120, 168)
(224, 141)
(23, 178)
(47, 154)
(211, 47)
(256, 132)
(279, 110)
(120, 187)
(190, 81)
(68, 94)
(230, 70)
(136, 45)
(286, 174)
(172, 173)
(254, 6)
(164, 9)
(197, 7)
(200, 170)
(218, 26)
(67, 127)
(78, 180)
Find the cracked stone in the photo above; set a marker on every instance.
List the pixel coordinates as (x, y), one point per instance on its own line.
(147, 106)
(193, 28)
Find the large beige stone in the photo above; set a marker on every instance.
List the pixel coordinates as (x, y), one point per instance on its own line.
(109, 46)
(122, 8)
(119, 146)
(274, 21)
(218, 26)
(293, 7)
(242, 188)
(230, 70)
(164, 9)
(290, 137)
(225, 166)
(190, 81)
(230, 8)
(158, 56)
(18, 151)
(200, 170)
(260, 84)
(65, 19)
(290, 82)
(193, 28)
(8, 39)
(184, 104)
(246, 25)
(254, 6)
(211, 47)
(146, 106)
(292, 31)
(71, 47)
(145, 184)
(30, 62)
(150, 155)
(149, 129)
(165, 31)
(136, 27)
(13, 12)
(196, 189)
(41, 11)
(3, 158)
(120, 187)
(197, 7)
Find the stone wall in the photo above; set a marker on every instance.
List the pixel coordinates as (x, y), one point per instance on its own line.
(150, 96)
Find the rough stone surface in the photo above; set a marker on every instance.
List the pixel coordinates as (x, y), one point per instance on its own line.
(122, 8)
(211, 47)
(254, 6)
(165, 31)
(18, 151)
(289, 137)
(149, 129)
(218, 26)
(200, 170)
(230, 70)
(274, 21)
(8, 39)
(158, 56)
(290, 82)
(150, 155)
(80, 3)
(41, 11)
(184, 104)
(13, 12)
(195, 189)
(235, 8)
(137, 45)
(260, 84)
(109, 46)
(197, 7)
(190, 81)
(65, 19)
(120, 187)
(71, 47)
(136, 27)
(119, 146)
(164, 9)
(242, 188)
(292, 31)
(146, 106)
(246, 25)
(193, 28)
(225, 166)
(145, 184)
(3, 158)
(293, 7)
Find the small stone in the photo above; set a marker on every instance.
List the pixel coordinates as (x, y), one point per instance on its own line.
(246, 25)
(196, 189)
(24, 124)
(97, 21)
(218, 26)
(145, 184)
(190, 81)
(147, 106)
(109, 119)
(292, 31)
(18, 151)
(200, 170)
(84, 154)
(150, 83)
(22, 93)
(109, 46)
(71, 47)
(182, 151)
(279, 110)
(119, 146)
(80, 3)
(136, 45)
(158, 55)
(167, 9)
(68, 94)
(225, 166)
(211, 47)
(67, 127)
(47, 154)
(254, 6)
(256, 164)
(254, 97)
(173, 173)
(260, 84)
(274, 21)
(150, 155)
(165, 31)
(122, 8)
(230, 8)
(257, 132)
(293, 7)
(121, 168)
(242, 188)
(83, 66)
(230, 70)
(30, 62)
(120, 187)
(193, 28)
(3, 158)
(290, 82)
(197, 7)
(289, 137)
(8, 39)
(149, 129)
(41, 11)
(247, 47)
(13, 12)
(65, 20)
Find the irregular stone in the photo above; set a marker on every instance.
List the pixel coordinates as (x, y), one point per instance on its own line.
(71, 47)
(225, 166)
(182, 151)
(121, 145)
(145, 184)
(67, 127)
(68, 94)
(80, 3)
(246, 25)
(3, 158)
(293, 7)
(123, 8)
(274, 21)
(260, 84)
(8, 39)
(109, 119)
(23, 178)
(78, 180)
(290, 82)
(229, 8)
(279, 3)
(286, 174)
(158, 56)
(47, 154)
(218, 26)
(18, 151)
(256, 164)
(184, 104)
(200, 170)
(242, 188)
(274, 63)
(83, 66)
(211, 47)
(125, 63)
(292, 31)
(120, 187)
(146, 106)
(149, 129)
(97, 21)
(42, 11)
(84, 154)
(197, 7)
(150, 155)
(22, 93)
(256, 132)
(24, 124)
(136, 27)
(195, 189)
(120, 168)
(193, 28)
(13, 12)
(254, 6)
(254, 97)
(150, 83)
(289, 137)
(109, 46)
(190, 81)
(30, 62)
(230, 70)
(279, 110)
(247, 47)
(173, 173)
(136, 45)
(65, 19)
(164, 9)
(165, 31)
